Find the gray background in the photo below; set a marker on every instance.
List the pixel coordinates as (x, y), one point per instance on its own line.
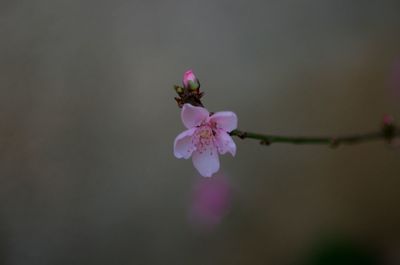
(87, 122)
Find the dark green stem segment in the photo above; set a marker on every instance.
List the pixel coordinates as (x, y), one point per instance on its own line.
(387, 133)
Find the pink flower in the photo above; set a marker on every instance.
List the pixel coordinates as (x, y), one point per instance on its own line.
(190, 80)
(206, 137)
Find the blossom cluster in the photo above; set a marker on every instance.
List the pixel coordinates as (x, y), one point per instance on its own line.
(206, 135)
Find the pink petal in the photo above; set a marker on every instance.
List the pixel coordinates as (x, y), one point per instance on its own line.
(225, 120)
(206, 162)
(193, 116)
(225, 143)
(183, 145)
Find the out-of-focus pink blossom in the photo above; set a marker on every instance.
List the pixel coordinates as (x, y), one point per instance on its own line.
(206, 137)
(190, 80)
(387, 120)
(211, 201)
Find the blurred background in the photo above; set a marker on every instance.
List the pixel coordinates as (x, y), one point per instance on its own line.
(87, 123)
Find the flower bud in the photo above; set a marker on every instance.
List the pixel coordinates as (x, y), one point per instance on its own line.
(190, 81)
(178, 89)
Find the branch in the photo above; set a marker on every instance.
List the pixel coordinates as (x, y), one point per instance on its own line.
(387, 133)
(190, 93)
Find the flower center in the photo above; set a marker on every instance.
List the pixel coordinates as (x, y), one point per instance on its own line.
(204, 138)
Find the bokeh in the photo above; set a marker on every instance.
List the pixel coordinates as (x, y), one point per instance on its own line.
(88, 119)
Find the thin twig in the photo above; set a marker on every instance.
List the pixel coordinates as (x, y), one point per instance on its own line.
(387, 133)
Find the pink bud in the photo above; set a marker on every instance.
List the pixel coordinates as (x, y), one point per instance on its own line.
(190, 80)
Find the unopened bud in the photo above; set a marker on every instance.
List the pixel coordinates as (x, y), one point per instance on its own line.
(178, 89)
(190, 81)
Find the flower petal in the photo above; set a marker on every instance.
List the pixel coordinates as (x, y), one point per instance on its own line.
(225, 143)
(206, 162)
(226, 120)
(183, 145)
(193, 116)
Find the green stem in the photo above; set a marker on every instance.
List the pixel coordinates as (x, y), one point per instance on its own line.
(268, 139)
